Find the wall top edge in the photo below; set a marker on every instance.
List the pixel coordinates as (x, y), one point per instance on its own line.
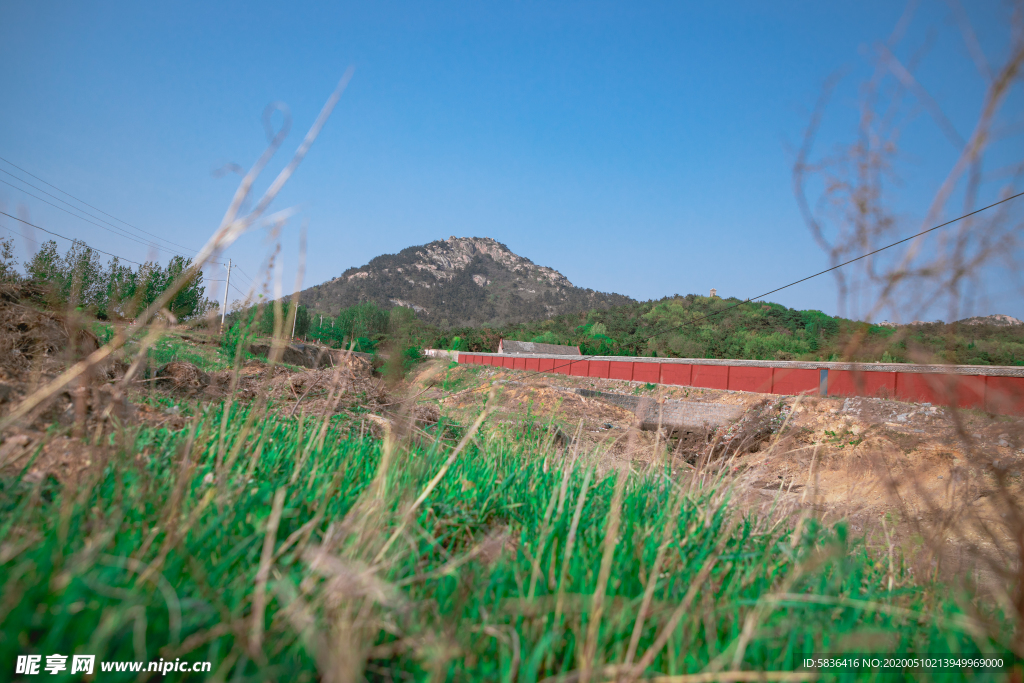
(986, 370)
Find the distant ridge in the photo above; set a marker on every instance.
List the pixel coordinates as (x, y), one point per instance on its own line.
(997, 319)
(457, 282)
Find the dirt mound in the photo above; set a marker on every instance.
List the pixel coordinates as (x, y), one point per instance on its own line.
(31, 338)
(757, 426)
(36, 345)
(316, 391)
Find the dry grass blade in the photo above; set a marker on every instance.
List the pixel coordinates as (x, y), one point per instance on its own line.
(684, 606)
(434, 481)
(611, 539)
(570, 541)
(667, 535)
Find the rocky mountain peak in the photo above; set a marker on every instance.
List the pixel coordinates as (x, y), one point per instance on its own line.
(444, 258)
(461, 280)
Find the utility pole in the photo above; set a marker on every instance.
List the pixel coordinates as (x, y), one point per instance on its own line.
(224, 311)
(295, 319)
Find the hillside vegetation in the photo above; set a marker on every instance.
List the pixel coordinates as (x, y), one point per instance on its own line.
(695, 326)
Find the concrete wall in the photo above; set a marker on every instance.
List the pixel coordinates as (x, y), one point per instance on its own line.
(994, 389)
(671, 413)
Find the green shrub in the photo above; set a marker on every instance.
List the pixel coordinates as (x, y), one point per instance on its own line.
(241, 333)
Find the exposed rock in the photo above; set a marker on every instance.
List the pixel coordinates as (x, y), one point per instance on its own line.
(999, 319)
(181, 375)
(426, 414)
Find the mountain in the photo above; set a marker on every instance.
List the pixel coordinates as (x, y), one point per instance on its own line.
(461, 281)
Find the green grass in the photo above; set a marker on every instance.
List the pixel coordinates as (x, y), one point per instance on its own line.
(168, 350)
(478, 585)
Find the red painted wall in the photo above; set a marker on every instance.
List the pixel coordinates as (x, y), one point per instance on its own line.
(1004, 395)
(711, 376)
(647, 372)
(854, 383)
(580, 368)
(742, 378)
(969, 391)
(1000, 395)
(676, 373)
(795, 381)
(599, 368)
(921, 388)
(620, 370)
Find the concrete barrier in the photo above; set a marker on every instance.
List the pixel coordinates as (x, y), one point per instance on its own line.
(671, 413)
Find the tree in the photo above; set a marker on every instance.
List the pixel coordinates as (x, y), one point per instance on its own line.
(269, 316)
(82, 277)
(77, 279)
(8, 263)
(121, 282)
(45, 266)
(366, 320)
(189, 301)
(301, 321)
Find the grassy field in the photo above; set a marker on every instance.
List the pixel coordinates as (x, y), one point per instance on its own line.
(281, 550)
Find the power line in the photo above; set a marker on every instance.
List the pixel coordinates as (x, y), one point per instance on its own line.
(576, 359)
(239, 291)
(244, 274)
(72, 240)
(83, 202)
(846, 263)
(69, 239)
(120, 232)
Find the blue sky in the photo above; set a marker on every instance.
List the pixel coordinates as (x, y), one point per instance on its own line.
(640, 148)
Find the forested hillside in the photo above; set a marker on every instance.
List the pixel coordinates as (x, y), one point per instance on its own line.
(695, 326)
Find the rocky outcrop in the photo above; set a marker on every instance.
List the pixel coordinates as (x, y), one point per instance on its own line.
(999, 319)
